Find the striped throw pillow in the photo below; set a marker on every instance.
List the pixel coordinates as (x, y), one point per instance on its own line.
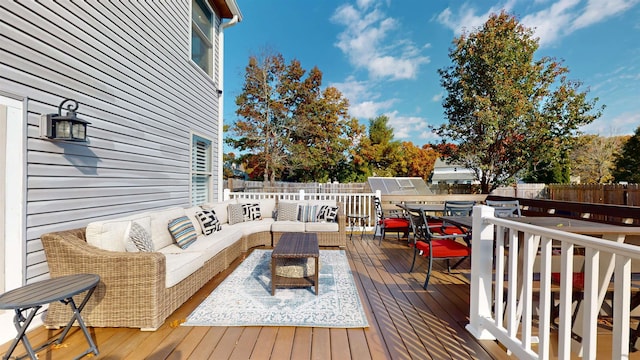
(182, 231)
(308, 213)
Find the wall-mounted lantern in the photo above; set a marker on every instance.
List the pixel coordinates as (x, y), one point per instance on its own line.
(65, 127)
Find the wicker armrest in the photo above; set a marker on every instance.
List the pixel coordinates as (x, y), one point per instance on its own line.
(342, 220)
(131, 284)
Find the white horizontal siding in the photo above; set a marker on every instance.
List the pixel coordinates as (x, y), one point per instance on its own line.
(128, 65)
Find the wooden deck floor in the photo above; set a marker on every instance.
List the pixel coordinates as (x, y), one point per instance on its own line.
(406, 322)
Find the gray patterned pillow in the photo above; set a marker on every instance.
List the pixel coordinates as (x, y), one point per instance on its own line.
(287, 211)
(140, 238)
(236, 213)
(208, 221)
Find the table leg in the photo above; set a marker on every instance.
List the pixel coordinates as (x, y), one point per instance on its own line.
(316, 284)
(21, 323)
(77, 317)
(351, 223)
(273, 276)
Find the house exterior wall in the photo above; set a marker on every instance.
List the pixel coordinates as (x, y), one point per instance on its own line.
(128, 66)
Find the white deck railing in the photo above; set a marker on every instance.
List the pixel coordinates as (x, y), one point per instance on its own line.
(509, 318)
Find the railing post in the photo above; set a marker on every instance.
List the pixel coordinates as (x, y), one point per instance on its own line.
(481, 273)
(301, 195)
(226, 194)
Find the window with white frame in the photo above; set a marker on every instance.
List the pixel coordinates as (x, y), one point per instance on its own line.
(202, 20)
(201, 170)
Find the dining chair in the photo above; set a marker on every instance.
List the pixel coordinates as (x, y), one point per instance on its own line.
(432, 242)
(458, 208)
(395, 222)
(505, 208)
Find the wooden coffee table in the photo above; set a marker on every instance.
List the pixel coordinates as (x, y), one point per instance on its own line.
(293, 246)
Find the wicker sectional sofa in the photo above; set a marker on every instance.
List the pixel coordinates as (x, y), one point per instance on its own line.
(140, 289)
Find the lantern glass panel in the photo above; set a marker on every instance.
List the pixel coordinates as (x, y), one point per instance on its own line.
(63, 129)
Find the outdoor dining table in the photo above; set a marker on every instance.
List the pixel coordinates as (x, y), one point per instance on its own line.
(429, 208)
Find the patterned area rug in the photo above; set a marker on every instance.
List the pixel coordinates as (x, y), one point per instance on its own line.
(244, 297)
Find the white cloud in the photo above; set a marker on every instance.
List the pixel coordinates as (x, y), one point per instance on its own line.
(598, 10)
(406, 128)
(365, 37)
(621, 124)
(466, 19)
(555, 19)
(364, 103)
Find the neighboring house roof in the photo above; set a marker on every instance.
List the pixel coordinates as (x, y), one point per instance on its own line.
(442, 171)
(227, 8)
(399, 185)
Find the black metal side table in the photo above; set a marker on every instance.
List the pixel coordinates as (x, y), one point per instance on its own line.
(357, 219)
(30, 298)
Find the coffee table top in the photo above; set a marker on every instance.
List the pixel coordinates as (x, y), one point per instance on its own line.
(297, 245)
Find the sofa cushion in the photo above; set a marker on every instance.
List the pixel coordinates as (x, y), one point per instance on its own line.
(192, 214)
(180, 265)
(287, 211)
(209, 222)
(287, 226)
(252, 227)
(159, 222)
(138, 238)
(220, 208)
(211, 245)
(108, 234)
(182, 231)
(321, 227)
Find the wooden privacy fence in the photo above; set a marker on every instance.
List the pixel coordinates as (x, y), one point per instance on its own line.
(616, 194)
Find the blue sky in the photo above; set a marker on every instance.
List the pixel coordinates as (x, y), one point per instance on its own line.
(383, 55)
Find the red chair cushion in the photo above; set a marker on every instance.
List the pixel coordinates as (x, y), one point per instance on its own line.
(395, 223)
(448, 230)
(578, 279)
(444, 248)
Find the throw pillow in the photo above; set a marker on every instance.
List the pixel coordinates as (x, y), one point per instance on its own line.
(328, 213)
(208, 221)
(308, 213)
(140, 238)
(236, 213)
(182, 231)
(251, 212)
(287, 211)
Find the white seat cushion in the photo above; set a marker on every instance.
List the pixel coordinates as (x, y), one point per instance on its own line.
(287, 226)
(180, 266)
(211, 245)
(321, 227)
(256, 226)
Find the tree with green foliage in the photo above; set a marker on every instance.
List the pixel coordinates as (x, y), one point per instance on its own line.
(627, 162)
(377, 153)
(289, 127)
(508, 112)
